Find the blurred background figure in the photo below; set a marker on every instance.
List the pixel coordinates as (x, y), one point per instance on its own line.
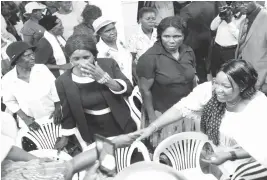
(227, 24)
(50, 48)
(109, 46)
(163, 8)
(89, 15)
(9, 11)
(32, 31)
(198, 16)
(69, 16)
(146, 36)
(252, 40)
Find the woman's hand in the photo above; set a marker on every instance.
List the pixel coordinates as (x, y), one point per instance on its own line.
(61, 143)
(146, 132)
(57, 115)
(87, 69)
(30, 122)
(217, 158)
(98, 73)
(126, 139)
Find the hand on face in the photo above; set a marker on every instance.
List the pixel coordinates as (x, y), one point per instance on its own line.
(91, 70)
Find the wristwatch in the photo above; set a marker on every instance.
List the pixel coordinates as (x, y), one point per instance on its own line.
(233, 155)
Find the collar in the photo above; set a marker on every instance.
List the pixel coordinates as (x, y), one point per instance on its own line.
(15, 73)
(102, 46)
(159, 49)
(81, 80)
(141, 32)
(253, 14)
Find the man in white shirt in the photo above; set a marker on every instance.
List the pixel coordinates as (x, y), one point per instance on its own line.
(227, 25)
(29, 89)
(110, 47)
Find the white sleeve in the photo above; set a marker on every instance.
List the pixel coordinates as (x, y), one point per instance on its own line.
(132, 44)
(215, 23)
(123, 84)
(8, 134)
(8, 98)
(233, 29)
(196, 100)
(67, 132)
(51, 78)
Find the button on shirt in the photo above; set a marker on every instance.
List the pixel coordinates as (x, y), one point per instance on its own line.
(36, 98)
(140, 42)
(122, 56)
(227, 33)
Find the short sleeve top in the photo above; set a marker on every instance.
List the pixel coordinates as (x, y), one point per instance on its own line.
(173, 79)
(31, 28)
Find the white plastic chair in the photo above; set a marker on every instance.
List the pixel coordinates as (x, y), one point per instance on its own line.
(46, 136)
(136, 95)
(123, 155)
(183, 150)
(52, 154)
(131, 102)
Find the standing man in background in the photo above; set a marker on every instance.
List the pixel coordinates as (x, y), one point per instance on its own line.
(252, 42)
(198, 15)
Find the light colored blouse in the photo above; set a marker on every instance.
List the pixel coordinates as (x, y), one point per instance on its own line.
(237, 129)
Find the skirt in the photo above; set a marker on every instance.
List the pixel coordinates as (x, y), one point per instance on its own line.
(35, 170)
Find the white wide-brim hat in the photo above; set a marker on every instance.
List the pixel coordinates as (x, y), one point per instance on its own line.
(101, 22)
(33, 5)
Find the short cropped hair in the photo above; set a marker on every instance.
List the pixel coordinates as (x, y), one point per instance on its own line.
(144, 10)
(172, 21)
(91, 12)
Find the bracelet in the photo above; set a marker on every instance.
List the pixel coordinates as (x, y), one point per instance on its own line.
(156, 128)
(104, 79)
(233, 155)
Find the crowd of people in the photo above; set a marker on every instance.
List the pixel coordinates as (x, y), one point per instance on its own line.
(202, 69)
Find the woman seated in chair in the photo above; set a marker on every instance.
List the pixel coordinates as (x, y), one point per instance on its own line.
(232, 113)
(91, 94)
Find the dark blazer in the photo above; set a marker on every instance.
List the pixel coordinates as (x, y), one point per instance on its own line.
(198, 16)
(44, 55)
(72, 107)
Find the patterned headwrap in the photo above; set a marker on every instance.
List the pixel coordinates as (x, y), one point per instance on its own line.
(211, 118)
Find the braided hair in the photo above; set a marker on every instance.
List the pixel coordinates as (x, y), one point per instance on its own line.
(245, 76)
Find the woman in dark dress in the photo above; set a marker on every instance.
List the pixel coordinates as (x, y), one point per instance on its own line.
(166, 73)
(91, 94)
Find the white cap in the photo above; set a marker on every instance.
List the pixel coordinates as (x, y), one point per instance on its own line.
(33, 5)
(101, 22)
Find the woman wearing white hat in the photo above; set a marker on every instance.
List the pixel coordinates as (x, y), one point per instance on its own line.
(110, 47)
(32, 31)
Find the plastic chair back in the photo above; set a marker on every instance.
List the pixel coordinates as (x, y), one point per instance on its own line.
(183, 150)
(44, 138)
(123, 155)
